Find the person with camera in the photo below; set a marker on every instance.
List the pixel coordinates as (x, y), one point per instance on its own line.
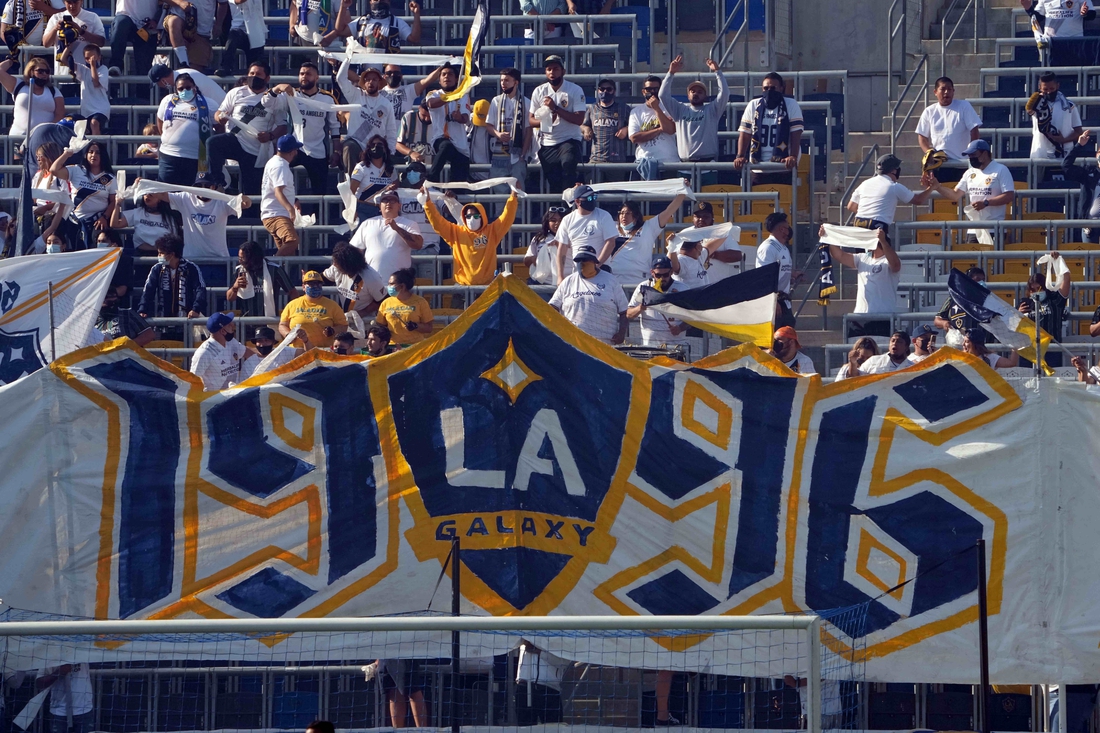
(405, 314)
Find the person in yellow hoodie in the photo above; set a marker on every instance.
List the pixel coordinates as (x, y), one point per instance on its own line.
(474, 241)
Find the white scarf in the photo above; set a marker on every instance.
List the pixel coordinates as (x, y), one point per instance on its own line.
(1056, 268)
(298, 101)
(362, 55)
(853, 237)
(145, 186)
(268, 362)
(983, 235)
(351, 219)
(42, 194)
(702, 234)
(249, 291)
(266, 149)
(480, 185)
(669, 187)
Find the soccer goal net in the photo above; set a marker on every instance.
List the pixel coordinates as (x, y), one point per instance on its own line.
(786, 672)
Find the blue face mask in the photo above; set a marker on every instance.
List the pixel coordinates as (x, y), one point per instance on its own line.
(391, 290)
(313, 291)
(186, 95)
(413, 176)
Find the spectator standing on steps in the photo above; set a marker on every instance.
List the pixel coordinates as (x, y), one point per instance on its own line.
(770, 131)
(557, 111)
(1055, 121)
(949, 125)
(875, 201)
(697, 120)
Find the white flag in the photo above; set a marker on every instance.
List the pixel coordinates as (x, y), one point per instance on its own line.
(80, 281)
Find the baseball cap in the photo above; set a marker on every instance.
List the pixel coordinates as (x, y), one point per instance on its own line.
(581, 192)
(975, 146)
(388, 195)
(218, 321)
(697, 83)
(786, 332)
(923, 330)
(480, 112)
(312, 277)
(158, 72)
(661, 263)
(887, 163)
(703, 207)
(264, 332)
(553, 59)
(208, 178)
(586, 252)
(288, 143)
(371, 70)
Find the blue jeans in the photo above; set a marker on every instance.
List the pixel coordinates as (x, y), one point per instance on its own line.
(177, 171)
(225, 146)
(123, 33)
(81, 723)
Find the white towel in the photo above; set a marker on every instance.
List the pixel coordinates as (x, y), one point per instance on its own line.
(984, 236)
(702, 234)
(668, 187)
(268, 361)
(852, 237)
(308, 103)
(266, 149)
(42, 194)
(351, 221)
(145, 186)
(249, 291)
(480, 185)
(1056, 268)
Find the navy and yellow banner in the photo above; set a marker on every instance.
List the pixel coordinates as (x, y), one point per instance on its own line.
(579, 481)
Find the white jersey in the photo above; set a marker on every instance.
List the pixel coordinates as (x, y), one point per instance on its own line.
(91, 194)
(631, 262)
(319, 125)
(371, 178)
(403, 98)
(504, 116)
(87, 20)
(248, 366)
(375, 117)
(769, 125)
(656, 329)
(311, 31)
(801, 365)
(277, 174)
(883, 364)
(71, 693)
(569, 97)
(204, 222)
(34, 18)
(693, 272)
(982, 185)
(1065, 116)
(591, 304)
(442, 127)
(262, 111)
(1063, 18)
(661, 148)
(217, 365)
(180, 128)
(149, 226)
(948, 128)
(361, 291)
(593, 229)
(877, 290)
(772, 250)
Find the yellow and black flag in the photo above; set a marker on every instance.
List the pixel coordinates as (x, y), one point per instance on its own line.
(471, 66)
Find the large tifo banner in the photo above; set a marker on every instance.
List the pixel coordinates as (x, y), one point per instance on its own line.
(580, 481)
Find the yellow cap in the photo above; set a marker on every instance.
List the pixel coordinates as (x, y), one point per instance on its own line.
(481, 112)
(312, 277)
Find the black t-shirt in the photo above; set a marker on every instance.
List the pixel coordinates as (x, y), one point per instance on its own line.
(1052, 312)
(956, 316)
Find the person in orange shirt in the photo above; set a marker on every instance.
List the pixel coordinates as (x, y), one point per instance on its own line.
(474, 241)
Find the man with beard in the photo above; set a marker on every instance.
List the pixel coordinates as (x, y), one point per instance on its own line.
(509, 133)
(374, 117)
(449, 120)
(696, 121)
(253, 119)
(557, 111)
(317, 124)
(404, 96)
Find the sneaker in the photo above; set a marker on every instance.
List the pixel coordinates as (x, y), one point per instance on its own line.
(114, 71)
(672, 720)
(224, 73)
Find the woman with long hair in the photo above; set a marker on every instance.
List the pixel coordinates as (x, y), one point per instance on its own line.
(862, 350)
(630, 264)
(151, 220)
(92, 181)
(374, 171)
(974, 344)
(185, 122)
(405, 314)
(50, 216)
(542, 252)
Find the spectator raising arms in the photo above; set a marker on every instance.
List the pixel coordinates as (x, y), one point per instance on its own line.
(474, 241)
(36, 99)
(92, 181)
(637, 240)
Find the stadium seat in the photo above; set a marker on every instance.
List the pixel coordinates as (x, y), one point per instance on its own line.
(784, 191)
(152, 346)
(934, 236)
(644, 28)
(719, 206)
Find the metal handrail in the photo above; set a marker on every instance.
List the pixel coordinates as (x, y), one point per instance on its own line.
(742, 5)
(946, 38)
(872, 153)
(895, 129)
(895, 29)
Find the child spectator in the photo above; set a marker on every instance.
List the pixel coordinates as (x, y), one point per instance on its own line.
(150, 151)
(95, 105)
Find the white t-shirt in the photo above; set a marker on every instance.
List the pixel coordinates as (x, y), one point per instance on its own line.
(276, 173)
(592, 229)
(413, 210)
(772, 250)
(89, 195)
(980, 185)
(318, 124)
(93, 99)
(386, 252)
(403, 98)
(149, 226)
(313, 21)
(1063, 17)
(883, 364)
(41, 107)
(693, 272)
(591, 304)
(655, 325)
(87, 20)
(504, 120)
(34, 38)
(1064, 117)
(375, 117)
(568, 97)
(138, 10)
(948, 128)
(769, 125)
(217, 365)
(661, 148)
(264, 112)
(878, 286)
(367, 26)
(878, 198)
(716, 269)
(71, 692)
(801, 365)
(368, 176)
(631, 262)
(455, 130)
(180, 134)
(204, 225)
(360, 292)
(916, 359)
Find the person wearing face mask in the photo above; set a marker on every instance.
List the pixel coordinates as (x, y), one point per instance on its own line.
(174, 288)
(786, 348)
(36, 99)
(54, 245)
(542, 252)
(776, 248)
(652, 131)
(185, 121)
(217, 361)
(403, 96)
(448, 133)
(263, 339)
(1053, 310)
(875, 201)
(81, 27)
(92, 181)
(343, 344)
(953, 319)
(637, 240)
(475, 240)
(509, 134)
(697, 120)
(164, 78)
(556, 113)
(592, 300)
(373, 172)
(374, 117)
(115, 322)
(413, 135)
(380, 31)
(1088, 178)
(987, 185)
(657, 328)
(587, 226)
(770, 131)
(319, 122)
(279, 200)
(1055, 121)
(318, 317)
(606, 126)
(259, 284)
(406, 315)
(250, 104)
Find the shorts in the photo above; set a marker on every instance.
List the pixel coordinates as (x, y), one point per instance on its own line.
(404, 675)
(103, 121)
(282, 231)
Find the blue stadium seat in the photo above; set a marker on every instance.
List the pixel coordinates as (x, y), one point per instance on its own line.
(503, 61)
(644, 27)
(836, 106)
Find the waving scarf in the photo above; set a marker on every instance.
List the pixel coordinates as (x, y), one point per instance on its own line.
(67, 32)
(204, 123)
(779, 150)
(324, 16)
(1044, 117)
(16, 34)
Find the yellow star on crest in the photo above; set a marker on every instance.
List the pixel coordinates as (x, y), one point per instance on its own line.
(511, 374)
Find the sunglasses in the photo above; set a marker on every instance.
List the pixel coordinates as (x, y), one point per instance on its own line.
(651, 89)
(557, 210)
(390, 73)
